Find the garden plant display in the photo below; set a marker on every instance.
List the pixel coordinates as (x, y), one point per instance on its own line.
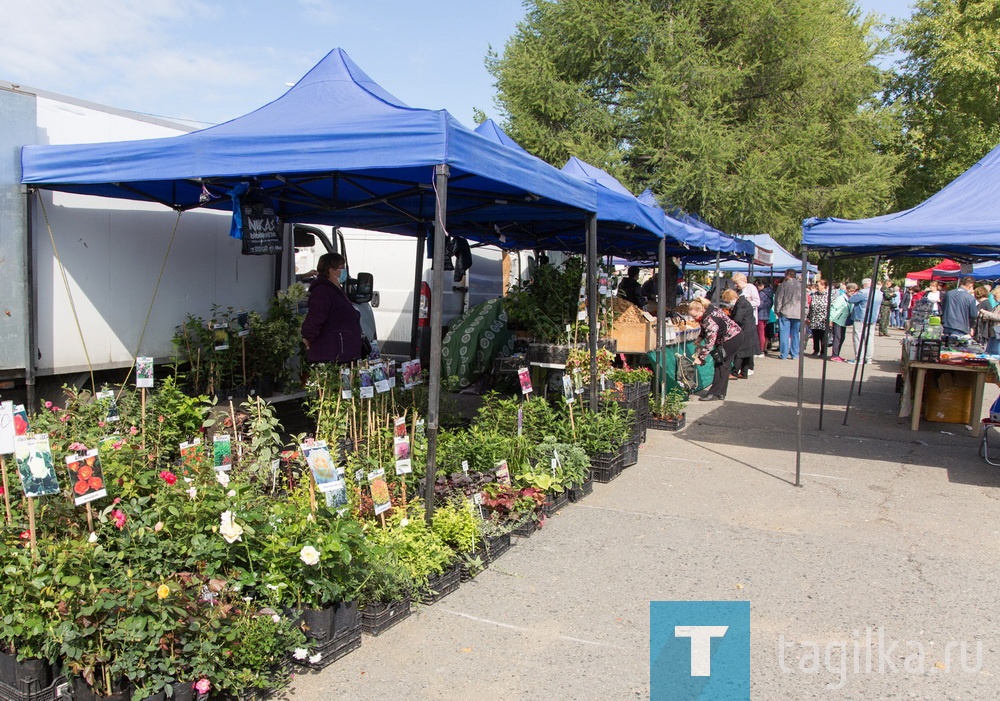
(187, 576)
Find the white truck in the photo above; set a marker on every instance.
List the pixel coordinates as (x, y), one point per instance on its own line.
(89, 283)
(80, 273)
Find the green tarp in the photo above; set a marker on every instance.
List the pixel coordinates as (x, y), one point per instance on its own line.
(474, 340)
(705, 372)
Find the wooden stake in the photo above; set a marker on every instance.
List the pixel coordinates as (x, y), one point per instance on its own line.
(236, 437)
(243, 342)
(142, 393)
(90, 518)
(197, 369)
(6, 490)
(31, 527)
(572, 425)
(382, 516)
(312, 493)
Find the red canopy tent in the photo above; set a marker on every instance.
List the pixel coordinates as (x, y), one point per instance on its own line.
(946, 270)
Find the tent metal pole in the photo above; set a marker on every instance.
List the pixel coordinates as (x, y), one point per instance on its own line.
(802, 367)
(441, 173)
(828, 329)
(716, 292)
(418, 279)
(661, 320)
(592, 304)
(862, 346)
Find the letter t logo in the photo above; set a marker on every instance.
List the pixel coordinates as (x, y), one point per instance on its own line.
(701, 646)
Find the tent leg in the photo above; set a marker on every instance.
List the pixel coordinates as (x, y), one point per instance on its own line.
(441, 173)
(802, 367)
(863, 345)
(592, 304)
(661, 319)
(828, 330)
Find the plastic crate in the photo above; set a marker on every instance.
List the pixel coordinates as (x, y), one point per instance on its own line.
(526, 529)
(579, 491)
(467, 574)
(630, 453)
(378, 618)
(603, 467)
(660, 424)
(441, 586)
(554, 502)
(29, 691)
(334, 649)
(497, 546)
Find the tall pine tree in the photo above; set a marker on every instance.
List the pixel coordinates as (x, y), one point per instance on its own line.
(753, 113)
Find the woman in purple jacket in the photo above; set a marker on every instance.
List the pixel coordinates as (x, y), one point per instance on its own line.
(332, 327)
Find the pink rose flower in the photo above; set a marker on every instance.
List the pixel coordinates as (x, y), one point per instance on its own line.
(120, 518)
(133, 430)
(48, 405)
(168, 477)
(202, 686)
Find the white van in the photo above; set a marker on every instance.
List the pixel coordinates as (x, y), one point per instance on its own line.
(391, 260)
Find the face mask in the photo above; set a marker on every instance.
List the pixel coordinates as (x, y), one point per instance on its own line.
(343, 276)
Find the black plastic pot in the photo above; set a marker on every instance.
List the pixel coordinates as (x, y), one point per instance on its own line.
(25, 676)
(82, 692)
(345, 617)
(318, 623)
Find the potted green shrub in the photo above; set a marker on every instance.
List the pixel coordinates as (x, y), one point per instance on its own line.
(666, 413)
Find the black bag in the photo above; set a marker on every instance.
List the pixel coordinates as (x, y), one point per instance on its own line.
(366, 347)
(718, 354)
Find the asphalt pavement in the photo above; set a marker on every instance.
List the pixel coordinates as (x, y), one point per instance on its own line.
(863, 583)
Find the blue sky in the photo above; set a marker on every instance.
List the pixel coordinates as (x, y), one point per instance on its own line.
(209, 61)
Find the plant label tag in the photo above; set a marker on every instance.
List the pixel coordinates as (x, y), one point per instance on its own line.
(220, 335)
(477, 499)
(581, 315)
(381, 502)
(6, 428)
(346, 384)
(520, 420)
(390, 373)
(222, 453)
(399, 427)
(524, 377)
(243, 324)
(465, 466)
(367, 384)
(555, 464)
(503, 473)
(567, 384)
(380, 378)
(87, 477)
(144, 372)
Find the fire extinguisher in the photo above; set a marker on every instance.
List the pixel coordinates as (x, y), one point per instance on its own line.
(424, 316)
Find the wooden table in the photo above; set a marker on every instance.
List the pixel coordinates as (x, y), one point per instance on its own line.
(975, 415)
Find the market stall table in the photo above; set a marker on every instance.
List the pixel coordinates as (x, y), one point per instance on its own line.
(914, 378)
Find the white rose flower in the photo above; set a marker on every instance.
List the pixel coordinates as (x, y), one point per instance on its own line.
(404, 523)
(92, 538)
(315, 658)
(300, 653)
(223, 477)
(230, 530)
(231, 493)
(193, 493)
(309, 555)
(276, 618)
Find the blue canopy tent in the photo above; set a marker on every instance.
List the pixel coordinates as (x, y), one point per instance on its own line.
(339, 149)
(961, 221)
(781, 260)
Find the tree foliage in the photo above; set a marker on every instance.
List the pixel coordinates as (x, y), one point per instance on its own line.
(754, 113)
(947, 91)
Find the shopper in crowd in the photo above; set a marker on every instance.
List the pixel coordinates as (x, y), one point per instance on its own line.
(983, 331)
(896, 316)
(840, 317)
(933, 295)
(747, 290)
(651, 288)
(817, 317)
(331, 330)
(861, 318)
(744, 315)
(992, 316)
(788, 308)
(630, 289)
(904, 306)
(959, 309)
(766, 295)
(885, 309)
(720, 337)
(995, 297)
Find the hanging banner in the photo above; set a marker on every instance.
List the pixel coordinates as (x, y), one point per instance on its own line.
(261, 226)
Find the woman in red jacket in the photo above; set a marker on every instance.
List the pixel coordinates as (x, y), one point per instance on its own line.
(332, 327)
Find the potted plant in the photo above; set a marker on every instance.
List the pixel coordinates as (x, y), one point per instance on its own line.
(666, 413)
(385, 592)
(457, 525)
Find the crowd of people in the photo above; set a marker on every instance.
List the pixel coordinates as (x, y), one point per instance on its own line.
(748, 319)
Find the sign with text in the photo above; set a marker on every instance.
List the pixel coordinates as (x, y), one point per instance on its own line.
(699, 650)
